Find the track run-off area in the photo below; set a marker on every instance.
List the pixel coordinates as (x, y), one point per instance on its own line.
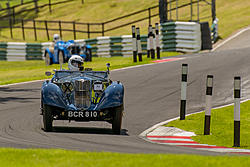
(152, 95)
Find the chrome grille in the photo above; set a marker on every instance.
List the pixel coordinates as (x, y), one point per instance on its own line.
(82, 93)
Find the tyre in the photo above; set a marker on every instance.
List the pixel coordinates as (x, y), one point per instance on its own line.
(117, 120)
(47, 59)
(47, 118)
(61, 57)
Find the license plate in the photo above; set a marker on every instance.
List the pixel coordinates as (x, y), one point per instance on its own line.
(83, 114)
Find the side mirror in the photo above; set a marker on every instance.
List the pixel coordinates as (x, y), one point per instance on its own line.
(108, 66)
(48, 73)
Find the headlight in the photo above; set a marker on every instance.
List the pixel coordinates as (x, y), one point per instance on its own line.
(67, 87)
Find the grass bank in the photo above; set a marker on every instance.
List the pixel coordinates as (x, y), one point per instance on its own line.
(14, 72)
(233, 15)
(222, 125)
(57, 158)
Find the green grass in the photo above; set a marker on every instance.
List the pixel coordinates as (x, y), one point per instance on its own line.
(233, 15)
(222, 125)
(14, 72)
(57, 158)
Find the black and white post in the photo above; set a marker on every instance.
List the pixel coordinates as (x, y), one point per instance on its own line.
(134, 47)
(139, 48)
(237, 94)
(148, 43)
(152, 44)
(183, 91)
(157, 41)
(209, 93)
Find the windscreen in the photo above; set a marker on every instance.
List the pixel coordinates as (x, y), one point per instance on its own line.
(95, 75)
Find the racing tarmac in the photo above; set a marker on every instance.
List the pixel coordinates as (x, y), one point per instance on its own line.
(152, 95)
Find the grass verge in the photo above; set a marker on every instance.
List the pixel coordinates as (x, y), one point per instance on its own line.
(35, 157)
(14, 72)
(222, 126)
(233, 15)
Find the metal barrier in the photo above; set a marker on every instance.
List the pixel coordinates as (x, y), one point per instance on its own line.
(175, 36)
(113, 46)
(16, 51)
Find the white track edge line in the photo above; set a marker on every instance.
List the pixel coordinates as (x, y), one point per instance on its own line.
(21, 83)
(230, 38)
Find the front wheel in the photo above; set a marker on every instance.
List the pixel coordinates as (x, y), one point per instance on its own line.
(47, 118)
(117, 120)
(47, 59)
(61, 57)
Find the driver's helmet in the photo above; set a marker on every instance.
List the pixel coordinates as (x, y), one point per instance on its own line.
(75, 63)
(56, 37)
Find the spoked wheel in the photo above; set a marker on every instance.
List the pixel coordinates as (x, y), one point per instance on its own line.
(117, 120)
(61, 57)
(47, 118)
(47, 59)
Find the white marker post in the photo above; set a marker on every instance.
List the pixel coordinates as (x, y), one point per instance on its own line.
(134, 47)
(157, 41)
(148, 43)
(152, 44)
(209, 93)
(237, 94)
(183, 91)
(139, 48)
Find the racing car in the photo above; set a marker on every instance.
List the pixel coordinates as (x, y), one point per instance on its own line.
(62, 51)
(83, 95)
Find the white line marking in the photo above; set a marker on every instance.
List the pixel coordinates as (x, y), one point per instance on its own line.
(225, 150)
(230, 38)
(168, 139)
(21, 83)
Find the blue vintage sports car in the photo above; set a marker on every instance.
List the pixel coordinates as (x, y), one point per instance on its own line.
(62, 51)
(82, 96)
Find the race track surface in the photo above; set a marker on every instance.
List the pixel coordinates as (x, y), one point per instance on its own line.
(152, 95)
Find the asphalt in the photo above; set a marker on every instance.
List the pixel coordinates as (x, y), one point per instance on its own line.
(152, 95)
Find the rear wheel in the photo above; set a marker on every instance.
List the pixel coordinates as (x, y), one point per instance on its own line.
(117, 120)
(61, 57)
(47, 118)
(47, 59)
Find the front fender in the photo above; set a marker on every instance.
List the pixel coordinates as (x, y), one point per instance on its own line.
(48, 51)
(52, 95)
(112, 97)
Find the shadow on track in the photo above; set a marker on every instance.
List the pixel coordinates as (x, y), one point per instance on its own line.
(86, 130)
(21, 100)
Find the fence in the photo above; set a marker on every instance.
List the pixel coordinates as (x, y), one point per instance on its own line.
(181, 9)
(12, 10)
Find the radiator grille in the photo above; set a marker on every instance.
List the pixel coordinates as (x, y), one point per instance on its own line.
(82, 94)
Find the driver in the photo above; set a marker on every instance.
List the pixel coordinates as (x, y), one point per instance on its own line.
(75, 63)
(56, 38)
